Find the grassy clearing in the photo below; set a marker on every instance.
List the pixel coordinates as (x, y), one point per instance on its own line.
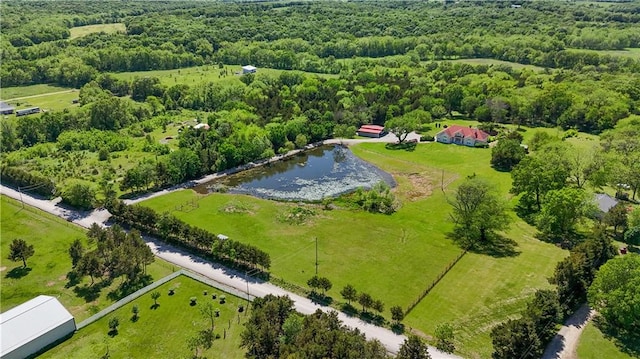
(50, 264)
(633, 53)
(81, 31)
(10, 93)
(394, 257)
(161, 332)
(594, 345)
(494, 62)
(199, 74)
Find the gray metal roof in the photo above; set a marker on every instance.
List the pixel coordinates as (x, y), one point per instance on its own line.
(605, 202)
(29, 320)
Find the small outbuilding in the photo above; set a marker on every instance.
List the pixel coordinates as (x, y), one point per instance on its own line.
(249, 69)
(374, 131)
(33, 326)
(604, 202)
(6, 109)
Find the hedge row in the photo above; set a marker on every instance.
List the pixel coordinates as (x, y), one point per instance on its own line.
(27, 181)
(170, 229)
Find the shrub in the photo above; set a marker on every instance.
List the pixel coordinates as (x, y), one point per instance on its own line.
(570, 133)
(172, 291)
(241, 308)
(193, 300)
(223, 299)
(427, 138)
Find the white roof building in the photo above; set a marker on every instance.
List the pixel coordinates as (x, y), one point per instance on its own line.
(249, 69)
(33, 326)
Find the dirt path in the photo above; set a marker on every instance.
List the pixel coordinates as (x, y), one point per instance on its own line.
(565, 343)
(218, 273)
(40, 95)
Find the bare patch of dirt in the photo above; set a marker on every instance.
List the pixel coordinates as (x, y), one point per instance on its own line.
(62, 277)
(51, 283)
(420, 185)
(2, 269)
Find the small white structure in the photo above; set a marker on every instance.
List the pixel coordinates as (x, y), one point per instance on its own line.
(32, 326)
(222, 237)
(203, 126)
(249, 69)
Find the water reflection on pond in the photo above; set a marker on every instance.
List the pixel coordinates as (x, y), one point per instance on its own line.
(326, 171)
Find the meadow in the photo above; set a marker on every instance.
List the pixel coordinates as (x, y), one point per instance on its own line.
(47, 270)
(633, 53)
(494, 62)
(395, 257)
(80, 31)
(162, 331)
(594, 344)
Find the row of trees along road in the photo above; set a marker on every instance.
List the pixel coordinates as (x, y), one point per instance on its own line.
(274, 329)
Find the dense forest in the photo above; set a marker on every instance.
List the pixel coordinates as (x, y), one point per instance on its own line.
(387, 60)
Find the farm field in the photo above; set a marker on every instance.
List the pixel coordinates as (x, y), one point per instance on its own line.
(594, 345)
(80, 31)
(394, 257)
(162, 332)
(198, 74)
(47, 269)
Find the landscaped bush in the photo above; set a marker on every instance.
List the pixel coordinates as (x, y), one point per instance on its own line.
(193, 300)
(427, 138)
(223, 299)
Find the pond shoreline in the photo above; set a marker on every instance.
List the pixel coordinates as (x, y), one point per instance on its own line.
(390, 138)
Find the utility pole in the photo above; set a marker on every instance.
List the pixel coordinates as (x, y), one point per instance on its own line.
(21, 201)
(316, 256)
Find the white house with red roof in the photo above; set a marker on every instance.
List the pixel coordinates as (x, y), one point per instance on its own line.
(461, 135)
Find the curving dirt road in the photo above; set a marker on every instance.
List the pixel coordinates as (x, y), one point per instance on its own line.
(565, 343)
(218, 273)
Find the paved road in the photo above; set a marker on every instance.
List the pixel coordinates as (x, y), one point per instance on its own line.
(218, 273)
(565, 343)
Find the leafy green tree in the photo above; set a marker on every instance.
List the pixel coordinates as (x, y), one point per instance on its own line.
(516, 339)
(533, 177)
(324, 284)
(562, 211)
(453, 95)
(80, 195)
(632, 235)
(477, 212)
(135, 310)
(92, 265)
(365, 300)
(617, 218)
(76, 251)
(506, 154)
(544, 312)
(397, 314)
(413, 348)
(445, 337)
(615, 292)
(209, 313)
(349, 293)
(155, 295)
(20, 250)
(401, 126)
(114, 323)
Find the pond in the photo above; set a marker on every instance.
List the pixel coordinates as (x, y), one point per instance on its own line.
(326, 171)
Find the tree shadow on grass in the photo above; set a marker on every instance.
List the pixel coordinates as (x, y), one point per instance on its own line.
(88, 292)
(397, 328)
(74, 279)
(495, 245)
(113, 332)
(627, 341)
(18, 272)
(349, 310)
(320, 299)
(129, 286)
(407, 146)
(154, 306)
(372, 318)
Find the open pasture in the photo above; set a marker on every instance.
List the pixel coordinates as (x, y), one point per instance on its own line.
(162, 331)
(80, 31)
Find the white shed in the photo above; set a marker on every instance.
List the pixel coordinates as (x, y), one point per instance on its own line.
(32, 326)
(249, 69)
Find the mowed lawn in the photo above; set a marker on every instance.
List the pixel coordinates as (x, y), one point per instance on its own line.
(162, 332)
(199, 74)
(10, 93)
(594, 345)
(490, 62)
(395, 257)
(80, 31)
(51, 238)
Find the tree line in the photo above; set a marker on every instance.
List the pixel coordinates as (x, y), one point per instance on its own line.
(170, 229)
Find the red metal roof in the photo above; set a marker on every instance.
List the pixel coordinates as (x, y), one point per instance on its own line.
(373, 127)
(369, 130)
(466, 132)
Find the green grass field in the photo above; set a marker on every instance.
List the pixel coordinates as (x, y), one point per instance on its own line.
(395, 257)
(50, 237)
(489, 62)
(11, 93)
(594, 345)
(633, 53)
(196, 75)
(162, 332)
(80, 31)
